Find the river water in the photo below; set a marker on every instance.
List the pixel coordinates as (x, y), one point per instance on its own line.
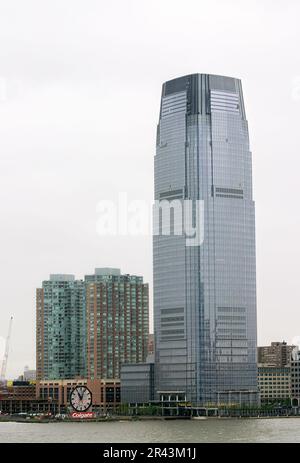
(179, 431)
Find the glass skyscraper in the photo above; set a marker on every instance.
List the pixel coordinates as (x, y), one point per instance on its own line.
(205, 293)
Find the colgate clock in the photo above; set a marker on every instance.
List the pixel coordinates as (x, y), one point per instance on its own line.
(81, 398)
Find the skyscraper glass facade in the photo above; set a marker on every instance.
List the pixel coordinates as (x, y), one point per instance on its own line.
(205, 294)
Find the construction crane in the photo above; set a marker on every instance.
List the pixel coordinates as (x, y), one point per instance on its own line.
(4, 361)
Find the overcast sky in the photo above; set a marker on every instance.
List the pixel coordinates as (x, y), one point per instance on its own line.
(80, 85)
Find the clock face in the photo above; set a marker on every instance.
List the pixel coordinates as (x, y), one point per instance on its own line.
(81, 398)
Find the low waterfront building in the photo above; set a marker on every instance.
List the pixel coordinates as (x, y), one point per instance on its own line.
(17, 397)
(105, 393)
(137, 383)
(53, 396)
(18, 390)
(17, 406)
(274, 383)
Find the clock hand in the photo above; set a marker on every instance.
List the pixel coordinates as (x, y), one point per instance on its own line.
(80, 396)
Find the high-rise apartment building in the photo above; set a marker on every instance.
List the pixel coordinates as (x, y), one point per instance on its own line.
(117, 322)
(87, 329)
(205, 292)
(278, 354)
(61, 328)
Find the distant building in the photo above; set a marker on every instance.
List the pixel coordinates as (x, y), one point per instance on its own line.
(117, 309)
(276, 355)
(61, 328)
(29, 375)
(275, 372)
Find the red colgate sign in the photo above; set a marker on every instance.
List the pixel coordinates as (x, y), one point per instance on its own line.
(82, 415)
